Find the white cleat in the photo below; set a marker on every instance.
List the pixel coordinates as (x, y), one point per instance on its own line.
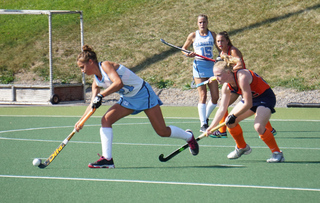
(238, 152)
(276, 157)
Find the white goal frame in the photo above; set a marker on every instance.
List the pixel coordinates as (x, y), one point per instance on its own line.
(50, 13)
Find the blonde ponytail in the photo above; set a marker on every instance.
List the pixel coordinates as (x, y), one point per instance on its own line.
(227, 63)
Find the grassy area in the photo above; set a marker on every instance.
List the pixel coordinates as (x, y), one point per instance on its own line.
(278, 39)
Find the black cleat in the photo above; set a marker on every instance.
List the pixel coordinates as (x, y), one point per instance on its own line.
(102, 163)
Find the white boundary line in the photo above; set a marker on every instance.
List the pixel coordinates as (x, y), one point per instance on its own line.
(92, 125)
(132, 144)
(148, 144)
(163, 183)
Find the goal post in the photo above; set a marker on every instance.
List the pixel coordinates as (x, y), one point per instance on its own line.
(50, 13)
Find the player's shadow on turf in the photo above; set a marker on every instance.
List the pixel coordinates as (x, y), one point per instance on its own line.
(285, 162)
(175, 167)
(220, 166)
(279, 137)
(302, 162)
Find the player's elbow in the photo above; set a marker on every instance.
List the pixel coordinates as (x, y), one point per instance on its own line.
(247, 104)
(118, 85)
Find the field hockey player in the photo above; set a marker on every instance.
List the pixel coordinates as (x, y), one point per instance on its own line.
(136, 95)
(228, 49)
(203, 41)
(257, 99)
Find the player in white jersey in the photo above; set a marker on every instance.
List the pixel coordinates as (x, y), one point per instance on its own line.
(136, 95)
(203, 41)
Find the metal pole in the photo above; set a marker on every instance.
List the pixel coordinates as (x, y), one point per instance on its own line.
(13, 93)
(82, 43)
(50, 56)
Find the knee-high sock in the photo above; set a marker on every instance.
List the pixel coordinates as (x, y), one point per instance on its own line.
(223, 129)
(268, 138)
(268, 126)
(237, 135)
(202, 113)
(106, 135)
(179, 133)
(210, 107)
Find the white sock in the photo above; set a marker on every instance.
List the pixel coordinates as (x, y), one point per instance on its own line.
(210, 108)
(106, 135)
(202, 113)
(179, 133)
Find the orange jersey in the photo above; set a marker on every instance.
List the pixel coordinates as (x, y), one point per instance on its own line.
(229, 53)
(258, 85)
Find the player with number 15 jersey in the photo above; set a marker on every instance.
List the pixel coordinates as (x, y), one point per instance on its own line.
(203, 41)
(203, 45)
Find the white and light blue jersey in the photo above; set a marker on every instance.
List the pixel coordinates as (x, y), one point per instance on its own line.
(203, 45)
(131, 82)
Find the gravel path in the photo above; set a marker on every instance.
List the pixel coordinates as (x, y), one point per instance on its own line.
(178, 97)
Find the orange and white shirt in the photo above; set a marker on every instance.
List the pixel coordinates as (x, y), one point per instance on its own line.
(258, 85)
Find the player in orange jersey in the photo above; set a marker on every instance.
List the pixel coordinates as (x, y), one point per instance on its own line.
(227, 49)
(257, 99)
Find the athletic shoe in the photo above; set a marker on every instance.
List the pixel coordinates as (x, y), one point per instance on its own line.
(193, 144)
(218, 134)
(238, 152)
(276, 157)
(204, 128)
(102, 163)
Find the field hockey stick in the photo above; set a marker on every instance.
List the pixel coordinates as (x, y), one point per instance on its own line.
(184, 50)
(65, 142)
(193, 85)
(180, 149)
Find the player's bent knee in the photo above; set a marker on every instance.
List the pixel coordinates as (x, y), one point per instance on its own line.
(214, 100)
(259, 128)
(106, 122)
(232, 125)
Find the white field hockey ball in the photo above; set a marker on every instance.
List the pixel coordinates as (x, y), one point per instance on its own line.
(36, 162)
